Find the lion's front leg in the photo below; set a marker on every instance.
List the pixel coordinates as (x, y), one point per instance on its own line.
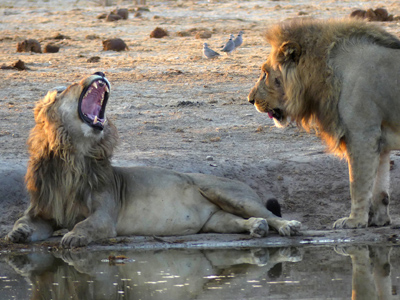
(363, 161)
(99, 225)
(29, 229)
(379, 210)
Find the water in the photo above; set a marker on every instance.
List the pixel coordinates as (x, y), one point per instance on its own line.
(366, 272)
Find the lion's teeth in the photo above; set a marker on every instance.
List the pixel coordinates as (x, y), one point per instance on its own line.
(107, 90)
(95, 120)
(95, 85)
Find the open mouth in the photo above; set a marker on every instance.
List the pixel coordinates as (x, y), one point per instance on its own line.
(276, 113)
(93, 101)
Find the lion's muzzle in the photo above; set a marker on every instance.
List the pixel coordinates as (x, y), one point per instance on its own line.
(93, 101)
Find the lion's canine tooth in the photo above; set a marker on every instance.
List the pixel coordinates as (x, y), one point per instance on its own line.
(95, 85)
(107, 90)
(95, 120)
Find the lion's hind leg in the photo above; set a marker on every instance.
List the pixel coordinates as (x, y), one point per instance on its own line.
(379, 209)
(224, 222)
(239, 199)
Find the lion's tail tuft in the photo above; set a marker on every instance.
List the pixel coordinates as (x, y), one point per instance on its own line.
(274, 207)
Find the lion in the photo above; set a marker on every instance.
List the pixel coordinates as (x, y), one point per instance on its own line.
(72, 184)
(342, 78)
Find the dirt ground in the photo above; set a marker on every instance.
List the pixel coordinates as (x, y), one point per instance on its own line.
(174, 108)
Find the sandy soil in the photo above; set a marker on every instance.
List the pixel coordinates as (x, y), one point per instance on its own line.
(172, 107)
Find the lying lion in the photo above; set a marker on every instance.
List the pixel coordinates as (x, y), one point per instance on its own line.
(73, 185)
(343, 77)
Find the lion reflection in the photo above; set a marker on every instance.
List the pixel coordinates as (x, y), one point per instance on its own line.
(173, 274)
(371, 271)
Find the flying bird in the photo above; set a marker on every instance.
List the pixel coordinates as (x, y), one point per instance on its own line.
(208, 52)
(229, 46)
(239, 39)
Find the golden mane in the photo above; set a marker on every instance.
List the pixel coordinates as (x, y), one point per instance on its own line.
(301, 49)
(60, 176)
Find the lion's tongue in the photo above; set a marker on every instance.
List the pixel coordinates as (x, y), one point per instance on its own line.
(91, 103)
(270, 114)
(91, 106)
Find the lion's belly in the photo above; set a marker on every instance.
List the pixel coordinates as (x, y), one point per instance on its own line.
(391, 137)
(165, 215)
(169, 205)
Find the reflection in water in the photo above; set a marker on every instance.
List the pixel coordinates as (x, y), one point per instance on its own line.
(268, 273)
(173, 274)
(371, 272)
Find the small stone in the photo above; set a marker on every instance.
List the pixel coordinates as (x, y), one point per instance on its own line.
(122, 12)
(93, 59)
(112, 17)
(50, 48)
(114, 45)
(29, 45)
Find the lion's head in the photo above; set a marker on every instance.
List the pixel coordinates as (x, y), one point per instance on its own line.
(268, 95)
(73, 119)
(70, 148)
(299, 80)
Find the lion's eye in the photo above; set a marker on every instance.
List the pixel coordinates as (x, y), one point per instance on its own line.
(264, 75)
(277, 82)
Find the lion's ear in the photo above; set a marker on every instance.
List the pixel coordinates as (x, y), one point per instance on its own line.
(289, 52)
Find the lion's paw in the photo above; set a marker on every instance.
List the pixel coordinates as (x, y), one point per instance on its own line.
(349, 223)
(356, 250)
(290, 254)
(258, 227)
(74, 240)
(259, 257)
(21, 234)
(290, 228)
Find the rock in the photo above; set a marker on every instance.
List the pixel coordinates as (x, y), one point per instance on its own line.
(93, 59)
(113, 17)
(50, 48)
(377, 15)
(158, 33)
(102, 16)
(358, 13)
(29, 45)
(60, 36)
(92, 37)
(18, 65)
(114, 45)
(203, 34)
(122, 12)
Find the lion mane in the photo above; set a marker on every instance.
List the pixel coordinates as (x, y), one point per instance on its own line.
(59, 175)
(301, 49)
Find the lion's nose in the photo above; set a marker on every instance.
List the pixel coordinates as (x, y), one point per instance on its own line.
(100, 73)
(252, 101)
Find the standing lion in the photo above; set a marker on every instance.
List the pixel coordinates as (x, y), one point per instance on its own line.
(343, 77)
(73, 185)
